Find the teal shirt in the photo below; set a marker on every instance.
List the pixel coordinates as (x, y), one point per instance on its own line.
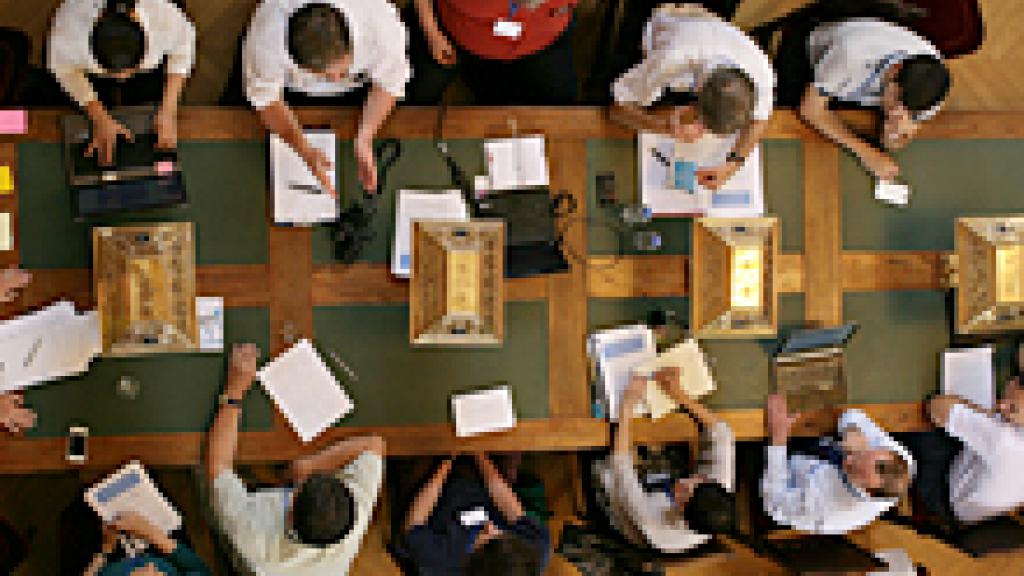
(182, 562)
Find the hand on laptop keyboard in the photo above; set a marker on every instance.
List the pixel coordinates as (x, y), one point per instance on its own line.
(105, 131)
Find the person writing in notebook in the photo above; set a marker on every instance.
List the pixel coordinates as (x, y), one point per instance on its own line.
(313, 526)
(165, 556)
(699, 75)
(14, 416)
(683, 512)
(122, 53)
(984, 479)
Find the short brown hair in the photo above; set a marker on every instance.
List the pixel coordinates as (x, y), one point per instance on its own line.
(895, 474)
(508, 555)
(726, 101)
(317, 36)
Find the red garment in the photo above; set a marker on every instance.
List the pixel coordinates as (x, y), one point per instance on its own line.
(470, 23)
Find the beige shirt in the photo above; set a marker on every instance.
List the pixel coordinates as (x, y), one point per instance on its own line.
(168, 33)
(254, 523)
(651, 517)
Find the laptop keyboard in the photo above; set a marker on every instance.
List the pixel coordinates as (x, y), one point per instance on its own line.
(141, 152)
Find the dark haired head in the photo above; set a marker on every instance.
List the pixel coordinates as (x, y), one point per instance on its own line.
(726, 101)
(508, 555)
(117, 41)
(323, 511)
(711, 510)
(923, 82)
(318, 36)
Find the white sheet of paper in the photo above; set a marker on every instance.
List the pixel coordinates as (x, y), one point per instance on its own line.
(695, 376)
(968, 373)
(51, 343)
(130, 489)
(619, 351)
(516, 162)
(741, 196)
(421, 205)
(210, 317)
(484, 411)
(892, 192)
(304, 389)
(298, 206)
(6, 238)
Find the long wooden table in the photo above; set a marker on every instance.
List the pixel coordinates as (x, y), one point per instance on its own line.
(290, 284)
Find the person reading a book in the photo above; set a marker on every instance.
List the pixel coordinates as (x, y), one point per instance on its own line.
(165, 555)
(699, 75)
(313, 526)
(678, 513)
(472, 520)
(324, 53)
(122, 53)
(14, 415)
(856, 52)
(981, 477)
(828, 487)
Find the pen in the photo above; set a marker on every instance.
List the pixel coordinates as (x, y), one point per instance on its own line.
(305, 188)
(31, 356)
(661, 158)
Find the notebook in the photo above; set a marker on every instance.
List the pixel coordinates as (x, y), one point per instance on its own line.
(516, 162)
(304, 389)
(968, 373)
(298, 195)
(695, 376)
(421, 205)
(483, 411)
(618, 352)
(130, 489)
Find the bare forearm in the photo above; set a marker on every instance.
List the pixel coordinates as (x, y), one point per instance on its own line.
(635, 118)
(172, 92)
(279, 119)
(337, 456)
(96, 111)
(428, 20)
(814, 109)
(378, 107)
(623, 432)
(504, 497)
(223, 442)
(423, 506)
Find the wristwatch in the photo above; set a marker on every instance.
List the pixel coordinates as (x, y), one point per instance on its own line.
(226, 400)
(733, 157)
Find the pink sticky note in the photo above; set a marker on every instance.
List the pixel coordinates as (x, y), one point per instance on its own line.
(13, 121)
(164, 167)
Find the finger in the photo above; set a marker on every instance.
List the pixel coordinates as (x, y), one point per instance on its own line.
(90, 150)
(127, 133)
(108, 151)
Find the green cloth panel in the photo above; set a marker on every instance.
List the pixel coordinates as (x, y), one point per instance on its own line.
(178, 392)
(948, 179)
(782, 162)
(741, 368)
(226, 186)
(419, 167)
(401, 385)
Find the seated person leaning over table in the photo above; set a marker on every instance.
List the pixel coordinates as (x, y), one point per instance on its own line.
(166, 555)
(313, 527)
(298, 52)
(687, 511)
(14, 416)
(712, 75)
(830, 488)
(122, 53)
(984, 479)
(440, 537)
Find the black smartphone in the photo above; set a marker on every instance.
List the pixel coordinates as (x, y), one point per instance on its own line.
(605, 188)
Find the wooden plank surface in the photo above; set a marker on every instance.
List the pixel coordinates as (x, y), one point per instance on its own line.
(897, 270)
(568, 382)
(291, 289)
(823, 301)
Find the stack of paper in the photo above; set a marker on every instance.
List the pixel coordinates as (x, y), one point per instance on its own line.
(305, 390)
(694, 376)
(892, 192)
(130, 489)
(667, 172)
(421, 205)
(210, 317)
(298, 196)
(45, 345)
(618, 352)
(967, 372)
(484, 411)
(514, 163)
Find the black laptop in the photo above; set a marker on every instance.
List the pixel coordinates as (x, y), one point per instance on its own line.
(141, 176)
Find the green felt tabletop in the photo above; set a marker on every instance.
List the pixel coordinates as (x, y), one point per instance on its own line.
(782, 163)
(226, 186)
(948, 179)
(177, 392)
(420, 166)
(399, 384)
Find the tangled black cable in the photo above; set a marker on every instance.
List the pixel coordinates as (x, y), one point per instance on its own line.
(354, 228)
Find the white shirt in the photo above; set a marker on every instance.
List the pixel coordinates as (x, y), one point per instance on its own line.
(680, 52)
(168, 33)
(850, 58)
(812, 495)
(254, 522)
(987, 477)
(379, 40)
(652, 517)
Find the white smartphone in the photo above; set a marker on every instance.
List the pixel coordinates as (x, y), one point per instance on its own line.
(78, 437)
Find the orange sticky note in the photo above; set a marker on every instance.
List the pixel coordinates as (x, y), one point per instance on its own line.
(6, 180)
